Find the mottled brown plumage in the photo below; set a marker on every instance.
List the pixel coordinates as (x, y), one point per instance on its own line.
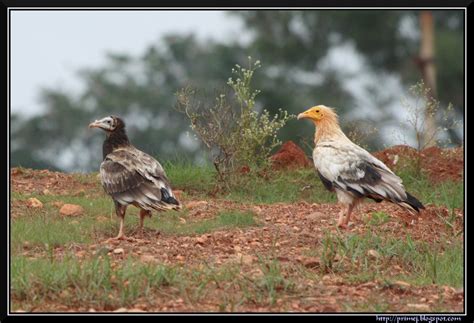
(131, 176)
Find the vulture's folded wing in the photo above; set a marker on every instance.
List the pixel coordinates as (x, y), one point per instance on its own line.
(355, 171)
(129, 179)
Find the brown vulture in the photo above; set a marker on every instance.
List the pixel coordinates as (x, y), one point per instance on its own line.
(131, 176)
(349, 170)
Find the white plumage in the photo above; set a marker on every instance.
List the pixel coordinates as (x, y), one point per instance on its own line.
(349, 170)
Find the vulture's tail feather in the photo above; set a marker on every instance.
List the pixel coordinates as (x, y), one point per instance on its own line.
(412, 203)
(168, 199)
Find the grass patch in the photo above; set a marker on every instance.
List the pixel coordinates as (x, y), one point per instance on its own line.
(280, 186)
(172, 222)
(103, 284)
(448, 193)
(272, 282)
(95, 282)
(195, 180)
(299, 185)
(44, 228)
(422, 263)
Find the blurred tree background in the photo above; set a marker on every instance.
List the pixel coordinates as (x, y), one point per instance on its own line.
(297, 50)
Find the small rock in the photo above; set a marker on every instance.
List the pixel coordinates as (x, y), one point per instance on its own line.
(102, 219)
(402, 284)
(80, 192)
(257, 209)
(368, 285)
(121, 310)
(180, 257)
(247, 259)
(57, 204)
(46, 192)
(135, 310)
(373, 254)
(201, 240)
(182, 220)
(91, 310)
(16, 171)
(237, 248)
(326, 278)
(283, 258)
(194, 204)
(34, 203)
(311, 262)
(71, 210)
(459, 291)
(314, 216)
(118, 251)
(81, 253)
(148, 258)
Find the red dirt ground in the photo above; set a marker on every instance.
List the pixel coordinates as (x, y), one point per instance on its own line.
(288, 232)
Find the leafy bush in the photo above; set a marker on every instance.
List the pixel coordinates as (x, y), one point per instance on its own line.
(230, 126)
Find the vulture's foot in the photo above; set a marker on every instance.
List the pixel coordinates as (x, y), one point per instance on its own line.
(342, 225)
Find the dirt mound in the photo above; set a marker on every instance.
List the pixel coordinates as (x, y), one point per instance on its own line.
(290, 156)
(439, 164)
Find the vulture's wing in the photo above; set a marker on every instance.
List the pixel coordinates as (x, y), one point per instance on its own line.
(354, 170)
(132, 177)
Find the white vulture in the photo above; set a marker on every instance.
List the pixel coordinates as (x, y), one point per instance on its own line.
(349, 170)
(131, 176)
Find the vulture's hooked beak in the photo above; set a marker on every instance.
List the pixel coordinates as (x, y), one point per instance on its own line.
(302, 115)
(95, 124)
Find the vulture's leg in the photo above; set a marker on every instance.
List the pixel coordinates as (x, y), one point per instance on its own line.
(143, 214)
(345, 216)
(349, 212)
(120, 210)
(341, 221)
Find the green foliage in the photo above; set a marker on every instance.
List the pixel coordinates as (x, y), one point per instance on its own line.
(257, 132)
(231, 128)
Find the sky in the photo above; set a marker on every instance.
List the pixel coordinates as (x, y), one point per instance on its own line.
(49, 47)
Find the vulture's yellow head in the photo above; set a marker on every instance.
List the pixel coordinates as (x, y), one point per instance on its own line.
(319, 113)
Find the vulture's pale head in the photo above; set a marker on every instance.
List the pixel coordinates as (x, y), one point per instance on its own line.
(108, 123)
(319, 113)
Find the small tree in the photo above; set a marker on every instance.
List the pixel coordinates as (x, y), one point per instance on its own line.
(424, 103)
(230, 126)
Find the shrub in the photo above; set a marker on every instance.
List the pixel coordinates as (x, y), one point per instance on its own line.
(230, 126)
(426, 105)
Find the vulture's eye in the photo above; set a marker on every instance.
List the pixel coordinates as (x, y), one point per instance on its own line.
(108, 121)
(317, 111)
